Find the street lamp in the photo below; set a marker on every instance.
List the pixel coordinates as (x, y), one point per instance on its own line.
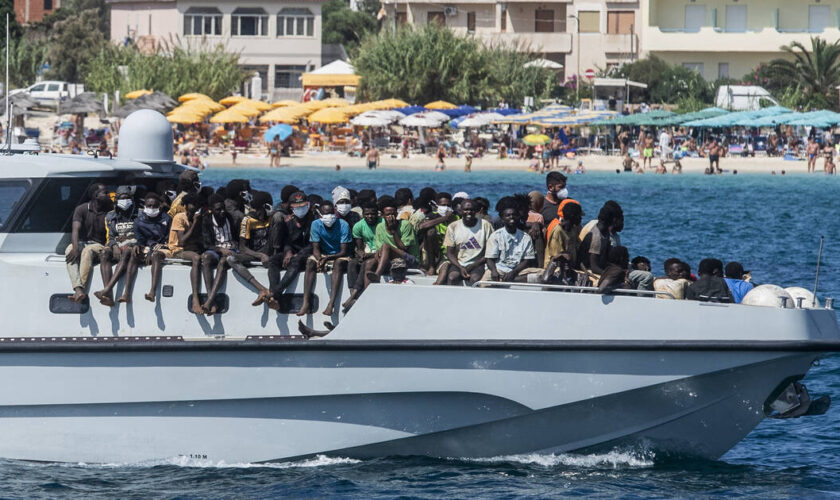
(577, 50)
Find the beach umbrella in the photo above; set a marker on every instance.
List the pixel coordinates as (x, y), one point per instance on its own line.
(284, 103)
(389, 114)
(84, 103)
(21, 101)
(255, 104)
(231, 100)
(193, 95)
(290, 114)
(245, 109)
(479, 120)
(459, 111)
(280, 131)
(134, 94)
(410, 110)
(335, 102)
(328, 116)
(536, 139)
(440, 105)
(313, 106)
(229, 116)
(155, 100)
(185, 117)
(370, 120)
(436, 115)
(205, 105)
(394, 103)
(421, 120)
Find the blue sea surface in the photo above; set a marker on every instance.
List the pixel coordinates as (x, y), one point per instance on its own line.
(771, 224)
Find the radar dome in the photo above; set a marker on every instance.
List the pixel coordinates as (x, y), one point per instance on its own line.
(146, 137)
(768, 296)
(807, 295)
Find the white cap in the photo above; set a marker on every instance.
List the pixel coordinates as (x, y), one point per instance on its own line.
(461, 194)
(340, 193)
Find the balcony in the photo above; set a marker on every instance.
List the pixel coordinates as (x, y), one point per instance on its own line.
(545, 42)
(709, 39)
(621, 43)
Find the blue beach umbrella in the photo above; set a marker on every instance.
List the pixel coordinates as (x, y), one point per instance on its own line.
(281, 131)
(410, 110)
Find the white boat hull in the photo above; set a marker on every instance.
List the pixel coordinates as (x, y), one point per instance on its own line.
(265, 403)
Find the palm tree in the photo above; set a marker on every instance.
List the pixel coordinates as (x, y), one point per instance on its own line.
(816, 72)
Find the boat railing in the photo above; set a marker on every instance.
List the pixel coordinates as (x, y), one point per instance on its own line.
(572, 288)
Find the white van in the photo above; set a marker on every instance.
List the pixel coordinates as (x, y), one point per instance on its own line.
(48, 93)
(743, 98)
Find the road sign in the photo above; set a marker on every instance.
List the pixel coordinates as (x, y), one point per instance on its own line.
(590, 73)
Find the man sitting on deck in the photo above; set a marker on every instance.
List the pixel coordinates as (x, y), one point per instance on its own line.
(296, 247)
(330, 238)
(394, 238)
(510, 254)
(152, 230)
(465, 242)
(254, 243)
(710, 287)
(122, 246)
(735, 281)
(673, 282)
(88, 238)
(185, 242)
(221, 240)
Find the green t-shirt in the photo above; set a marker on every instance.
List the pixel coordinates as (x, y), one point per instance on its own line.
(407, 235)
(366, 233)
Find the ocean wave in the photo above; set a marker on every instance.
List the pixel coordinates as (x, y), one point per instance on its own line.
(614, 459)
(187, 462)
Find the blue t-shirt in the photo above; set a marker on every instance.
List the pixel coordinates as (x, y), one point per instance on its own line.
(739, 288)
(330, 240)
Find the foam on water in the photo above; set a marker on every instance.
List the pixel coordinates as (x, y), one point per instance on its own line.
(183, 461)
(615, 459)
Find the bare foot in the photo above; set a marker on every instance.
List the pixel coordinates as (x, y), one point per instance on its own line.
(104, 298)
(196, 308)
(78, 297)
(347, 305)
(150, 297)
(372, 277)
(328, 311)
(261, 298)
(304, 310)
(273, 304)
(125, 299)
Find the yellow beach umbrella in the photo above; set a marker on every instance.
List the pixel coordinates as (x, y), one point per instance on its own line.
(394, 103)
(229, 116)
(258, 105)
(231, 100)
(191, 96)
(290, 114)
(535, 139)
(329, 116)
(245, 109)
(202, 105)
(335, 102)
(185, 117)
(284, 103)
(440, 105)
(134, 94)
(314, 105)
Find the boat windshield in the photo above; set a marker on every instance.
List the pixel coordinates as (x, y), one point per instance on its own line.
(11, 194)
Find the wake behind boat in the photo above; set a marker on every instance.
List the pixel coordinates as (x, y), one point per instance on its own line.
(489, 373)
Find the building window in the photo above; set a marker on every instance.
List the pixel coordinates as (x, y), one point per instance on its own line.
(296, 23)
(200, 21)
(590, 21)
(544, 21)
(620, 22)
(288, 77)
(503, 24)
(723, 70)
(696, 67)
(695, 17)
(436, 17)
(470, 22)
(48, 4)
(249, 21)
(736, 18)
(819, 18)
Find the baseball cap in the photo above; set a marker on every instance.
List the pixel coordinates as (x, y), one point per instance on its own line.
(398, 264)
(297, 198)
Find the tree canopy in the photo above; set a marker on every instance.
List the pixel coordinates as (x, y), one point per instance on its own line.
(816, 72)
(431, 62)
(348, 27)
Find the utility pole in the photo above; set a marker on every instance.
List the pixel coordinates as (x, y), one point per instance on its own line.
(577, 50)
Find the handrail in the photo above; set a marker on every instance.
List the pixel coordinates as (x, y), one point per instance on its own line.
(572, 288)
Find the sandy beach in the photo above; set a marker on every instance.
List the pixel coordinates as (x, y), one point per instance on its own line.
(759, 165)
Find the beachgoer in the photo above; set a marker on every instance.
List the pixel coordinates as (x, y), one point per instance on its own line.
(331, 239)
(274, 152)
(151, 228)
(441, 155)
(647, 151)
(468, 158)
(628, 163)
(812, 149)
(715, 151)
(372, 157)
(734, 278)
(710, 286)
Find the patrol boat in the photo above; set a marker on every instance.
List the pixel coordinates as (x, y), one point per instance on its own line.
(489, 373)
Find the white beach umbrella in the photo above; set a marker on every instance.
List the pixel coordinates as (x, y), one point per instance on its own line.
(370, 120)
(479, 120)
(421, 120)
(436, 115)
(388, 114)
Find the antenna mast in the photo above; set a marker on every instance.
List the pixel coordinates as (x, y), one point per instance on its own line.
(6, 88)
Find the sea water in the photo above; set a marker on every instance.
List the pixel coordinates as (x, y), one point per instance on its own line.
(771, 224)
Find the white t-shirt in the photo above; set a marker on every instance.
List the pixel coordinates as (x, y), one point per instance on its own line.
(664, 140)
(509, 249)
(470, 241)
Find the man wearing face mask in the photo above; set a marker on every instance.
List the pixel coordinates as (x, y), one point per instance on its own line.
(122, 246)
(152, 230)
(88, 238)
(254, 243)
(330, 238)
(555, 183)
(344, 211)
(187, 183)
(296, 248)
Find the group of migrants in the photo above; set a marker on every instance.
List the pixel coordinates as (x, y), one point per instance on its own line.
(532, 238)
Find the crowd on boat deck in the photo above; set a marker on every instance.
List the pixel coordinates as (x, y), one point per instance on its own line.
(534, 238)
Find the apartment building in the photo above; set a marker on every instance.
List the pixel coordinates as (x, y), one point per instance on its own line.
(721, 38)
(578, 34)
(277, 40)
(32, 11)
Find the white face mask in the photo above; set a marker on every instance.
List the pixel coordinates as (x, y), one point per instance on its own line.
(124, 204)
(171, 194)
(444, 210)
(343, 208)
(563, 193)
(328, 219)
(300, 212)
(151, 212)
(247, 196)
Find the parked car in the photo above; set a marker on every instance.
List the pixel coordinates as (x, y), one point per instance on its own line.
(48, 93)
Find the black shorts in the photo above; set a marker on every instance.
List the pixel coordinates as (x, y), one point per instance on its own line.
(713, 158)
